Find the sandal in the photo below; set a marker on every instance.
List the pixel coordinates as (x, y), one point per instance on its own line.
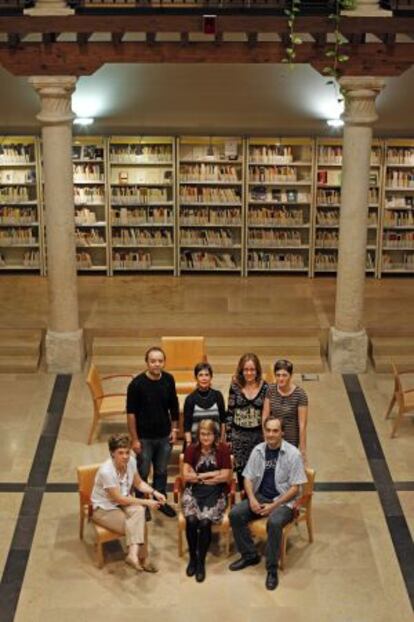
(134, 563)
(147, 566)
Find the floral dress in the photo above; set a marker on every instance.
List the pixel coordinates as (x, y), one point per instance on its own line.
(202, 500)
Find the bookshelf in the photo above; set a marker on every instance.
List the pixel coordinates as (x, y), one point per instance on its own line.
(142, 202)
(20, 216)
(279, 200)
(89, 195)
(328, 202)
(210, 198)
(397, 240)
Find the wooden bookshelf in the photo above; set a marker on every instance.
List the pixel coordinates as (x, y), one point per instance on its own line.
(328, 202)
(210, 198)
(90, 202)
(397, 239)
(142, 203)
(279, 200)
(20, 215)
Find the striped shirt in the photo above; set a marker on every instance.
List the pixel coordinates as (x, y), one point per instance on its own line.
(287, 408)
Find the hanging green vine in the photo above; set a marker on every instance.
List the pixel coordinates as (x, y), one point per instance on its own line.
(335, 52)
(294, 39)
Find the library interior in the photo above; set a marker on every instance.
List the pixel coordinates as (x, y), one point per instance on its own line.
(182, 183)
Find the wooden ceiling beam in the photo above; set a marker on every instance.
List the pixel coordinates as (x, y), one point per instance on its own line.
(70, 58)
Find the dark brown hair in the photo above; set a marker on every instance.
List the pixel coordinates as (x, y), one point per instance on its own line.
(274, 418)
(154, 349)
(238, 376)
(203, 367)
(119, 441)
(283, 364)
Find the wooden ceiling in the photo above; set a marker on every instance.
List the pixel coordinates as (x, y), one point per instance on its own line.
(67, 45)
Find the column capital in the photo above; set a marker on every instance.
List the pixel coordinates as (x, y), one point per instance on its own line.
(360, 95)
(55, 94)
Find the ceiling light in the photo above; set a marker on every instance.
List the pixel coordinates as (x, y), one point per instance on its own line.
(335, 122)
(83, 121)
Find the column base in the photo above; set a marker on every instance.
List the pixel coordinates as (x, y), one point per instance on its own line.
(65, 352)
(347, 352)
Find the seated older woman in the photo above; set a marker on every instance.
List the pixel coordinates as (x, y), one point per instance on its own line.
(114, 505)
(207, 471)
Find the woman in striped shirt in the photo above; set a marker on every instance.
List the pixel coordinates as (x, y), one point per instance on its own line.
(289, 402)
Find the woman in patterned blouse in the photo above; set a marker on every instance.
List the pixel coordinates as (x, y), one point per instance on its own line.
(245, 404)
(289, 402)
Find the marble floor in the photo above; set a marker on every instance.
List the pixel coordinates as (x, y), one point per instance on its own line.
(362, 504)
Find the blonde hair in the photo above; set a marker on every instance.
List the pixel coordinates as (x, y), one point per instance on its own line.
(209, 426)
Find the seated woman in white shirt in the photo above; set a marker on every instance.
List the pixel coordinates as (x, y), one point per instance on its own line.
(115, 508)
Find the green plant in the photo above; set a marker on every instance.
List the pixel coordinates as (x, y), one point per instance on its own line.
(294, 39)
(335, 52)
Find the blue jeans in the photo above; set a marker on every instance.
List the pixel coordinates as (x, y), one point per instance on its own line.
(155, 452)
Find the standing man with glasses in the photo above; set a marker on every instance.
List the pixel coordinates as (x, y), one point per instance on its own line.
(152, 416)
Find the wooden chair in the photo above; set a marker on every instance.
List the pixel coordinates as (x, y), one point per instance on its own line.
(404, 398)
(104, 404)
(86, 480)
(223, 528)
(182, 355)
(302, 513)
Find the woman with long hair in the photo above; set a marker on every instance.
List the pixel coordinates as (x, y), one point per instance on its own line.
(245, 406)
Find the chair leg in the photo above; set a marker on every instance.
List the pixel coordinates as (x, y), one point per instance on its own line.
(100, 555)
(227, 534)
(93, 429)
(180, 543)
(81, 524)
(397, 422)
(309, 525)
(390, 407)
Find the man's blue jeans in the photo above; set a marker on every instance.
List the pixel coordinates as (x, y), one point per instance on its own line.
(155, 452)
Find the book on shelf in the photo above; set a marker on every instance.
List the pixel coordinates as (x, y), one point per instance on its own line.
(30, 259)
(89, 195)
(326, 261)
(271, 154)
(327, 217)
(83, 261)
(87, 172)
(403, 261)
(329, 177)
(16, 153)
(16, 236)
(270, 237)
(227, 151)
(400, 155)
(210, 216)
(327, 239)
(400, 179)
(85, 217)
(18, 176)
(135, 260)
(395, 218)
(89, 237)
(15, 194)
(399, 201)
(398, 239)
(87, 152)
(261, 260)
(276, 195)
(201, 194)
(17, 215)
(142, 216)
(201, 260)
(131, 195)
(210, 237)
(276, 216)
(210, 173)
(276, 174)
(142, 237)
(141, 153)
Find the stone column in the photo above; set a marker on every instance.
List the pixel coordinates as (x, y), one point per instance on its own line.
(348, 341)
(64, 339)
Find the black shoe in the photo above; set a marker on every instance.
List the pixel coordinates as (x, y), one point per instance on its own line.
(191, 568)
(272, 580)
(168, 510)
(243, 562)
(200, 572)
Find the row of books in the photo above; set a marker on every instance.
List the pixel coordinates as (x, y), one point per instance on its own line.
(399, 201)
(142, 237)
(30, 259)
(10, 237)
(276, 216)
(200, 194)
(83, 261)
(18, 176)
(15, 194)
(276, 195)
(87, 152)
(210, 172)
(399, 219)
(142, 215)
(210, 216)
(271, 154)
(16, 215)
(87, 172)
(327, 239)
(332, 154)
(400, 179)
(137, 260)
(400, 155)
(259, 260)
(140, 154)
(269, 237)
(390, 262)
(398, 239)
(211, 237)
(330, 217)
(329, 177)
(144, 176)
(278, 174)
(16, 153)
(132, 195)
(229, 151)
(208, 261)
(85, 217)
(91, 237)
(90, 195)
(333, 196)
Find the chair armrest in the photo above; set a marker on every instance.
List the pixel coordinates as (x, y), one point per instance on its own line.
(232, 493)
(117, 376)
(408, 391)
(406, 371)
(99, 397)
(178, 489)
(300, 503)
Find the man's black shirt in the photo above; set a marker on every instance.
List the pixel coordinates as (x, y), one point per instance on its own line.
(154, 404)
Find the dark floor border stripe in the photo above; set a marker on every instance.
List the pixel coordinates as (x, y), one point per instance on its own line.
(387, 491)
(18, 556)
